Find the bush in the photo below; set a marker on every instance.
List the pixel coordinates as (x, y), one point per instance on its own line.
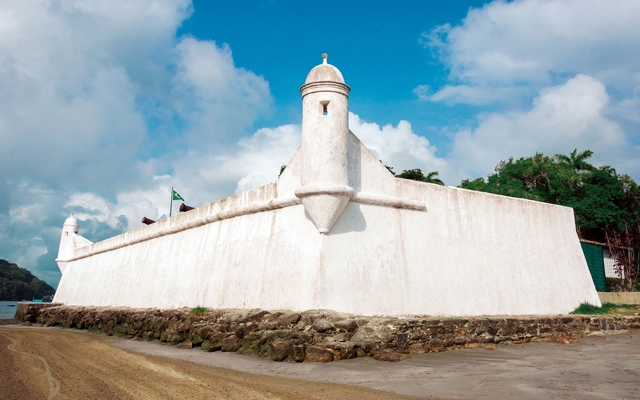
(607, 308)
(198, 311)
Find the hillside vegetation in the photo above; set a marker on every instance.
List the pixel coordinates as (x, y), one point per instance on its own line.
(19, 284)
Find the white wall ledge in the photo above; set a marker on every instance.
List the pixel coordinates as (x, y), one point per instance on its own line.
(389, 201)
(168, 228)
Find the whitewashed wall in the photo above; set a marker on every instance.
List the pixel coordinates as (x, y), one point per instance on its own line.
(469, 253)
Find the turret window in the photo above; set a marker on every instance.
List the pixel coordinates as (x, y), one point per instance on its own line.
(325, 107)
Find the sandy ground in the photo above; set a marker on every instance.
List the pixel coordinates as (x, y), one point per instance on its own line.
(54, 363)
(83, 365)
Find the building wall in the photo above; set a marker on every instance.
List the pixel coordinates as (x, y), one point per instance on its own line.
(610, 265)
(620, 297)
(594, 257)
(468, 253)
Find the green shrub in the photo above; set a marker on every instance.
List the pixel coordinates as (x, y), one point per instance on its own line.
(607, 308)
(198, 311)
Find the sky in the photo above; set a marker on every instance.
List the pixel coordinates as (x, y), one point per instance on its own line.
(104, 106)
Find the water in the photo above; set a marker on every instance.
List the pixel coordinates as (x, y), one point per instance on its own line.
(7, 312)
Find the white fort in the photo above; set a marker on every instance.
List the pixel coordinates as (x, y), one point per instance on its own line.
(337, 231)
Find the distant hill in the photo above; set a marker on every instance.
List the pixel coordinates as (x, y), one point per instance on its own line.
(19, 284)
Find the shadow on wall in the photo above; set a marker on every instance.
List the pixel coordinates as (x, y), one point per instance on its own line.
(351, 220)
(354, 164)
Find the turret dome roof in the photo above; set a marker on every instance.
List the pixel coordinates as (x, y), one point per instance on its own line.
(71, 221)
(324, 73)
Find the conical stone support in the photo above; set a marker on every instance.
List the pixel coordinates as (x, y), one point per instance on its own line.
(324, 203)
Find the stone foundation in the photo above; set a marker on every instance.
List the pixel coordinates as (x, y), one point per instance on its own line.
(28, 312)
(320, 335)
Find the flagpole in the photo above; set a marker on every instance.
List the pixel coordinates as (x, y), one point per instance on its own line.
(171, 204)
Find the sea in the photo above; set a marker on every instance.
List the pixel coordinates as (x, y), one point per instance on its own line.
(6, 309)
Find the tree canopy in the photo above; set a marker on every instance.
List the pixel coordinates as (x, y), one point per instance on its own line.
(417, 175)
(19, 284)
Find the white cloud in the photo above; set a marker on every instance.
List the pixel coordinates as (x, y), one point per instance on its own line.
(467, 94)
(92, 208)
(85, 86)
(531, 40)
(199, 177)
(398, 147)
(629, 108)
(213, 93)
(207, 175)
(252, 181)
(137, 204)
(561, 118)
(30, 254)
(29, 207)
(89, 206)
(80, 80)
(71, 74)
(423, 92)
(262, 155)
(564, 73)
(259, 157)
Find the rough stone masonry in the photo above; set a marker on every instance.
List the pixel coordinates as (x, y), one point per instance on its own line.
(320, 335)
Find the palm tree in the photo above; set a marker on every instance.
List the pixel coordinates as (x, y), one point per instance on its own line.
(431, 178)
(576, 160)
(417, 175)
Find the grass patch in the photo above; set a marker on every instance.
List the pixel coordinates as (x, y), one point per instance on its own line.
(198, 311)
(607, 309)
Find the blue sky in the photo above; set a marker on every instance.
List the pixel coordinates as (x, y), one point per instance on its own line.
(376, 45)
(107, 105)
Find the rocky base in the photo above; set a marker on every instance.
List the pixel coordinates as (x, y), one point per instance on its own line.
(320, 335)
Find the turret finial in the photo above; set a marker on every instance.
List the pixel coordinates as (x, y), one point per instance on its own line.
(324, 58)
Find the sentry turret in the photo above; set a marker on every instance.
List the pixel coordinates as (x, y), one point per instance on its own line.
(325, 127)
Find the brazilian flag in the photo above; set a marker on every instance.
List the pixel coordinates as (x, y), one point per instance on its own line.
(176, 196)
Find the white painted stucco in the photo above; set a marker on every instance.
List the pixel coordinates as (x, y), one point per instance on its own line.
(393, 247)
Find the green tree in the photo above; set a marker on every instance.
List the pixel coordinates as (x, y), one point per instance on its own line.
(390, 169)
(534, 178)
(417, 175)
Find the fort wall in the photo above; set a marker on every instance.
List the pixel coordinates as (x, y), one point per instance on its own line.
(352, 239)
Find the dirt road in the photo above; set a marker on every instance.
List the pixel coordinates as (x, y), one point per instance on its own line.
(62, 364)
